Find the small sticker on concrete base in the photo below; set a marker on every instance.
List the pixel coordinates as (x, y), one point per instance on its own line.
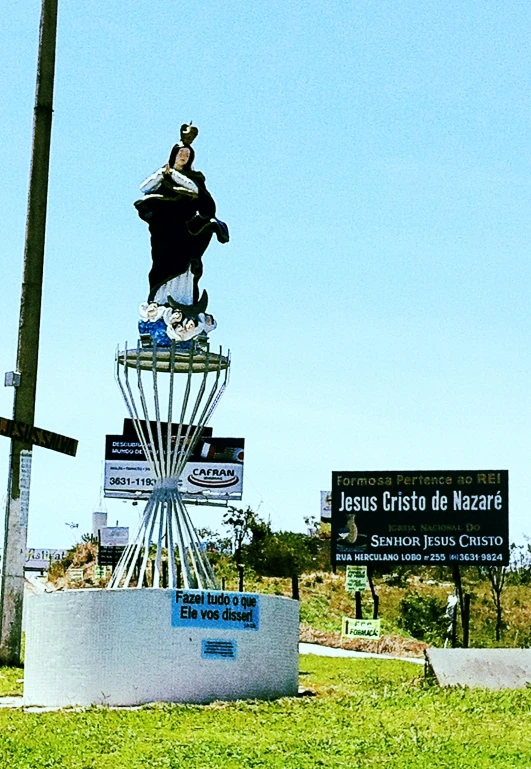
(218, 649)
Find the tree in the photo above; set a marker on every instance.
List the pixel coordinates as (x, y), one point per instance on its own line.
(240, 524)
(282, 554)
(269, 553)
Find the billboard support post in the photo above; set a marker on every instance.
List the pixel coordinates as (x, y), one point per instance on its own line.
(359, 609)
(166, 529)
(375, 597)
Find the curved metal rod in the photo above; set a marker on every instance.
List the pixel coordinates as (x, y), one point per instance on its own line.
(195, 551)
(170, 410)
(183, 410)
(181, 545)
(206, 562)
(180, 465)
(157, 412)
(158, 557)
(184, 449)
(158, 468)
(172, 574)
(133, 412)
(147, 542)
(133, 547)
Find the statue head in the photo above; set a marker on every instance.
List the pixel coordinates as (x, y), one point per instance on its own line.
(184, 148)
(181, 157)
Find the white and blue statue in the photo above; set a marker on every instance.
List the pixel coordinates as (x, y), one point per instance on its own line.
(181, 215)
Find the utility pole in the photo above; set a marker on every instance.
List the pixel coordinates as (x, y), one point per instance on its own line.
(25, 380)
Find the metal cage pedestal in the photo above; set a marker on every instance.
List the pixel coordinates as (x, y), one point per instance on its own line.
(166, 535)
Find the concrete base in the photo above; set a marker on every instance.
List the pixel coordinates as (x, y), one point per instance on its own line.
(122, 647)
(487, 668)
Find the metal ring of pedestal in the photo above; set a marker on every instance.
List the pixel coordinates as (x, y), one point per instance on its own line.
(167, 359)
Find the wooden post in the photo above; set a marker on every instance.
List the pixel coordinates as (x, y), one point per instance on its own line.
(16, 527)
(295, 586)
(456, 572)
(466, 620)
(240, 577)
(375, 598)
(452, 610)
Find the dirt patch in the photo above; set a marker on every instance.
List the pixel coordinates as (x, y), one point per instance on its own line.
(387, 644)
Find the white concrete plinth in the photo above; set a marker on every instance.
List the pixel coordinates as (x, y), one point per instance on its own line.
(122, 647)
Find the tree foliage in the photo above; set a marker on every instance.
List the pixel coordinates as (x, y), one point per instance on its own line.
(270, 553)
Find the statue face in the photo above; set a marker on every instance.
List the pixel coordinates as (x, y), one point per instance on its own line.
(182, 158)
(176, 318)
(152, 311)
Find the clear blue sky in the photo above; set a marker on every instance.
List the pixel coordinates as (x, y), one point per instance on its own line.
(372, 160)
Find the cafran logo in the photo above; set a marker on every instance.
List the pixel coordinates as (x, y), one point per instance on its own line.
(213, 478)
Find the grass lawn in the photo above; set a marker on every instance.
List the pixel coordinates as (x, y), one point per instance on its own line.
(11, 682)
(367, 713)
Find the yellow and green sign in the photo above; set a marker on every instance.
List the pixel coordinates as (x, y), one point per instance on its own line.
(360, 628)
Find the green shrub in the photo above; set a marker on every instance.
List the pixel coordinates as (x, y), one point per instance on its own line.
(423, 617)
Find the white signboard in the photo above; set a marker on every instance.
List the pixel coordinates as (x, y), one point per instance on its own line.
(114, 536)
(212, 478)
(326, 506)
(40, 558)
(24, 485)
(215, 480)
(127, 478)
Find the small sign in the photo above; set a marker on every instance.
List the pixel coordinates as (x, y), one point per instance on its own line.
(326, 506)
(36, 435)
(24, 486)
(356, 579)
(109, 556)
(215, 609)
(75, 575)
(100, 572)
(218, 649)
(360, 628)
(114, 536)
(39, 559)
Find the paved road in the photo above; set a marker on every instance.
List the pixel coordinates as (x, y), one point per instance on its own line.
(330, 651)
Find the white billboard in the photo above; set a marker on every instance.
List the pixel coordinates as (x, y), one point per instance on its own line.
(39, 558)
(326, 506)
(114, 536)
(214, 472)
(209, 480)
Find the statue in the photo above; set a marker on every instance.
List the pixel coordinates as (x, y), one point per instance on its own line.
(180, 213)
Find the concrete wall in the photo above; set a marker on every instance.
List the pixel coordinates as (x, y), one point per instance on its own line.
(119, 647)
